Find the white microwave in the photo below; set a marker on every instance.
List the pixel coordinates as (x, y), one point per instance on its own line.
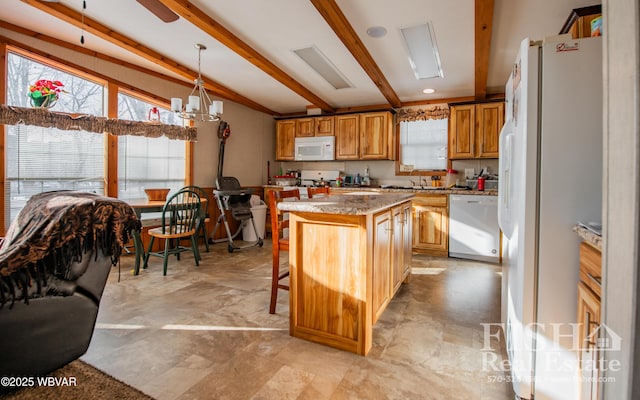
(320, 148)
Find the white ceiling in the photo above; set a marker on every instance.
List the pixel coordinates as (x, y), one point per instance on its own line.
(276, 27)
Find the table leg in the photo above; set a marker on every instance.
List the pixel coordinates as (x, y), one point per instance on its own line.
(137, 242)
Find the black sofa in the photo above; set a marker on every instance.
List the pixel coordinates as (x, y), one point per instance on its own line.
(54, 265)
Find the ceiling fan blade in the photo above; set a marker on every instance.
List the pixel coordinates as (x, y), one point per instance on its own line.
(160, 10)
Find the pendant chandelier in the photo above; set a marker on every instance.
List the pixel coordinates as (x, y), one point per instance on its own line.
(199, 106)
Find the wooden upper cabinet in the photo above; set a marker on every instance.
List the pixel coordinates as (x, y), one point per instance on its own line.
(474, 130)
(324, 126)
(462, 121)
(318, 126)
(305, 127)
(376, 136)
(490, 118)
(285, 139)
(347, 137)
(366, 136)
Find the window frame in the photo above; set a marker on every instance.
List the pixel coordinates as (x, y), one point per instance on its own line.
(155, 102)
(112, 87)
(417, 172)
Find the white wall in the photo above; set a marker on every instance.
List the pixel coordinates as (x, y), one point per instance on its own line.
(621, 202)
(252, 140)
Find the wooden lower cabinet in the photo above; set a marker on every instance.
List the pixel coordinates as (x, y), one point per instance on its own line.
(589, 319)
(344, 273)
(402, 245)
(382, 268)
(431, 224)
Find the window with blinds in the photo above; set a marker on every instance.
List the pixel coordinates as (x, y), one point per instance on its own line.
(423, 144)
(44, 159)
(145, 163)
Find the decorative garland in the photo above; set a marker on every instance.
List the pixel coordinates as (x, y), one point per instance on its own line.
(11, 115)
(421, 114)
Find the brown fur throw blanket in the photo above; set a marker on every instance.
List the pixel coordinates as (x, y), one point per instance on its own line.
(54, 230)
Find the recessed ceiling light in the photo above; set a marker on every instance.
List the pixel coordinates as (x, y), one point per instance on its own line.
(376, 31)
(420, 42)
(429, 91)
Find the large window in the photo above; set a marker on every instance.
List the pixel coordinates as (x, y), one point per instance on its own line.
(423, 144)
(148, 162)
(44, 159)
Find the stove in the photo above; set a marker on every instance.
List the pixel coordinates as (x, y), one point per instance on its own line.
(318, 178)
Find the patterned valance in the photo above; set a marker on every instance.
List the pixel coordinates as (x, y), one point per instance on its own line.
(423, 114)
(10, 115)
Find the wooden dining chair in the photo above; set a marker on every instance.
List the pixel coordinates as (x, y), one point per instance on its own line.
(204, 215)
(279, 242)
(317, 191)
(179, 220)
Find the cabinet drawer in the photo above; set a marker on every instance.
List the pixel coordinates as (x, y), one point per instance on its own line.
(433, 200)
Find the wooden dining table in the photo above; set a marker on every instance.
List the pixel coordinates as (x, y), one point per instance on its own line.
(142, 206)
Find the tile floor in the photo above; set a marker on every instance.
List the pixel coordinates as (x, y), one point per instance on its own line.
(205, 333)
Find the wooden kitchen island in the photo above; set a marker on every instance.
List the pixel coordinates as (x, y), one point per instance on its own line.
(348, 256)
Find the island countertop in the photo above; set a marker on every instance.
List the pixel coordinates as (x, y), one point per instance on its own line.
(354, 203)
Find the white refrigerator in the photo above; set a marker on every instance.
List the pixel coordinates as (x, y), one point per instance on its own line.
(550, 179)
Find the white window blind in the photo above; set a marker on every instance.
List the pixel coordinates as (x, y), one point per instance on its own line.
(148, 162)
(44, 159)
(423, 144)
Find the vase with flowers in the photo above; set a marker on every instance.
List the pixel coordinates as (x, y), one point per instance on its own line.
(45, 93)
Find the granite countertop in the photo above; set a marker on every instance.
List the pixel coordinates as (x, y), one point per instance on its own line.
(378, 189)
(347, 203)
(416, 191)
(588, 236)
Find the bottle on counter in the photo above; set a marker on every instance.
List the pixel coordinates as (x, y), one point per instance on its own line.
(339, 181)
(366, 180)
(481, 183)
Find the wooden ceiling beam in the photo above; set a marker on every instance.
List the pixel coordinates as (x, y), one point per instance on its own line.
(25, 50)
(345, 32)
(74, 18)
(210, 26)
(88, 52)
(483, 28)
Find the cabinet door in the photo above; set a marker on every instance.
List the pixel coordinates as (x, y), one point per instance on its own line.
(376, 136)
(381, 273)
(285, 139)
(462, 122)
(490, 118)
(588, 323)
(430, 230)
(407, 238)
(347, 141)
(324, 126)
(305, 127)
(397, 258)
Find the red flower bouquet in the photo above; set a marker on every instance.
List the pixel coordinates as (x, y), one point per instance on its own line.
(44, 93)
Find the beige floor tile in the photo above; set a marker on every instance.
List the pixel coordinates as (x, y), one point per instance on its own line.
(205, 333)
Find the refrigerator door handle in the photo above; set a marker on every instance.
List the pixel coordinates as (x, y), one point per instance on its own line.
(505, 200)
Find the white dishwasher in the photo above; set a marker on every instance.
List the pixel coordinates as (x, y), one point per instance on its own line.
(473, 227)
